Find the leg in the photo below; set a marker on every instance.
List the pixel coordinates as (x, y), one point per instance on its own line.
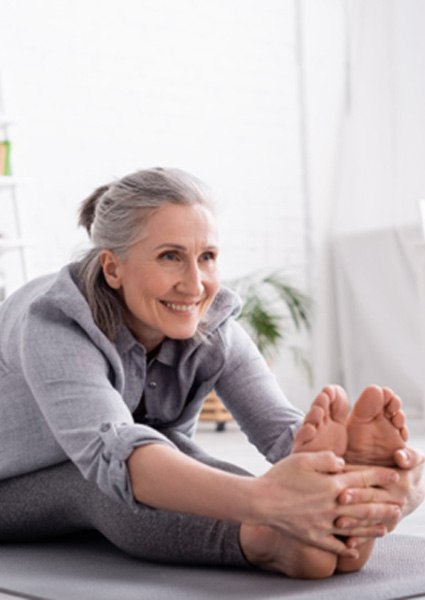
(45, 503)
(376, 429)
(58, 500)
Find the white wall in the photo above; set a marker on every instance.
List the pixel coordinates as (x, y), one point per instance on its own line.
(102, 88)
(99, 89)
(305, 116)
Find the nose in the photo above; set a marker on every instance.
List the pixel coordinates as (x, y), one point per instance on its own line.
(191, 282)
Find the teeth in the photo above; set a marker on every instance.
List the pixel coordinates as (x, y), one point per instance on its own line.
(180, 307)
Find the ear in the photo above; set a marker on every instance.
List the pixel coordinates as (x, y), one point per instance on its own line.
(111, 268)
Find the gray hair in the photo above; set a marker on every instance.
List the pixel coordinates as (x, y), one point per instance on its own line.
(114, 217)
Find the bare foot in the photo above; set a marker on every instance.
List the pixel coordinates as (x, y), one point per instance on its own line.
(376, 428)
(324, 426)
(268, 549)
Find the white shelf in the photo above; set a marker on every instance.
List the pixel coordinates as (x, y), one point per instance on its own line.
(8, 185)
(7, 182)
(7, 244)
(5, 120)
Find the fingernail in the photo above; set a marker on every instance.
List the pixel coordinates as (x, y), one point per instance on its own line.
(404, 455)
(347, 498)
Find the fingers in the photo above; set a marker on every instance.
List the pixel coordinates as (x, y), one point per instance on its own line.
(336, 546)
(408, 458)
(370, 494)
(355, 542)
(324, 462)
(368, 520)
(369, 476)
(370, 512)
(390, 521)
(373, 531)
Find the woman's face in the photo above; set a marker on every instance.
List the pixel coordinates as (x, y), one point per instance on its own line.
(170, 278)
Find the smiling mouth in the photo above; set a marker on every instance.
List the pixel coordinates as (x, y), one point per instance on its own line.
(183, 308)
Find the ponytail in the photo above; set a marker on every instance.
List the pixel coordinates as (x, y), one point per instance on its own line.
(114, 217)
(88, 208)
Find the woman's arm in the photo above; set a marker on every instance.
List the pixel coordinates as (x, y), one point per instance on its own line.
(78, 383)
(252, 394)
(298, 495)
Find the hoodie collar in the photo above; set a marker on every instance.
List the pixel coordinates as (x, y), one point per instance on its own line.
(227, 304)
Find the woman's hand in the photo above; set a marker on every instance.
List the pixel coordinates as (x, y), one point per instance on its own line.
(408, 492)
(411, 487)
(299, 497)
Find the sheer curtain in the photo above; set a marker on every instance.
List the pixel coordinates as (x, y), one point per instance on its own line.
(367, 247)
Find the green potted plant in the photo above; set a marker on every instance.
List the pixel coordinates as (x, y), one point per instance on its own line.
(272, 309)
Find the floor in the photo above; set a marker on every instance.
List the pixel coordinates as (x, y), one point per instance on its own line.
(232, 445)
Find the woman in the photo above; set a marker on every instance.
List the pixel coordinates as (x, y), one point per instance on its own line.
(103, 369)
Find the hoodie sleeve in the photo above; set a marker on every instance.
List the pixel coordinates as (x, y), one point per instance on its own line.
(250, 391)
(70, 379)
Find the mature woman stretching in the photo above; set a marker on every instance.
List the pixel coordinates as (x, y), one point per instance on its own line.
(103, 370)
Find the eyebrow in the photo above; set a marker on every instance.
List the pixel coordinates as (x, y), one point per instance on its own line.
(180, 247)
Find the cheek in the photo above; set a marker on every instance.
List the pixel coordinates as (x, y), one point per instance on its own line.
(214, 284)
(155, 286)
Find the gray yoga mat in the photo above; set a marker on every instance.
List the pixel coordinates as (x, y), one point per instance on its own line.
(87, 567)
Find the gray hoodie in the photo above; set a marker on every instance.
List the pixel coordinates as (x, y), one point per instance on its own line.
(67, 392)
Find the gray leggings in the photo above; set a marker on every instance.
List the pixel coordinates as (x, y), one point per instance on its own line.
(58, 500)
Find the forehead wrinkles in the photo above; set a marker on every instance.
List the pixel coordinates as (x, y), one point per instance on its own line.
(185, 227)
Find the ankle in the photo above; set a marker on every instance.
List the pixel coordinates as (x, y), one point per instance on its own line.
(257, 544)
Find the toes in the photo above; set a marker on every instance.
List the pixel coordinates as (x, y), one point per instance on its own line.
(338, 404)
(315, 416)
(308, 429)
(394, 413)
(404, 432)
(323, 400)
(304, 435)
(370, 404)
(392, 402)
(341, 405)
(399, 419)
(375, 401)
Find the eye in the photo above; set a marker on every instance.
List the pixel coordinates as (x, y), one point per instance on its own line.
(169, 255)
(208, 256)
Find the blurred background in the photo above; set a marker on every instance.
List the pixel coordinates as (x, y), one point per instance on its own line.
(305, 117)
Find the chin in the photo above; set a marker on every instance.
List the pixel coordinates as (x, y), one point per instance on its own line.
(183, 335)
